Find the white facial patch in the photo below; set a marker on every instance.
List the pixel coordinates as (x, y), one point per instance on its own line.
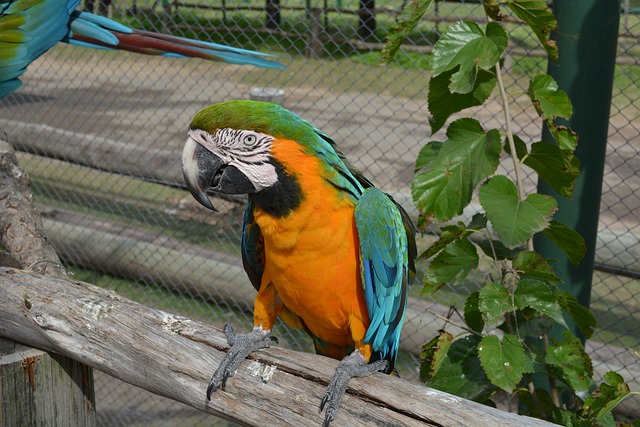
(246, 150)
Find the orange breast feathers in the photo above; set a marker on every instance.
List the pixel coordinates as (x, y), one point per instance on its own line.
(312, 264)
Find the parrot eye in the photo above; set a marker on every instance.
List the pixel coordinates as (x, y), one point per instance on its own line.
(249, 139)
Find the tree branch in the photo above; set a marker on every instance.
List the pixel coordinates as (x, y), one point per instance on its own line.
(21, 232)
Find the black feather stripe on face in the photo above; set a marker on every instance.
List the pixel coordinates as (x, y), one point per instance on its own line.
(281, 198)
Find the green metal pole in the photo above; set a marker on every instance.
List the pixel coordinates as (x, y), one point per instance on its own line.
(587, 39)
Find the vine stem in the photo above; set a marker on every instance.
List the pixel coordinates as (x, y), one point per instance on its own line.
(512, 144)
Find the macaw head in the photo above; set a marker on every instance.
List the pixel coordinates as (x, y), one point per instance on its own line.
(229, 151)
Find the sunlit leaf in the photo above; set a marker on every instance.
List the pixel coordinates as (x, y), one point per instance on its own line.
(503, 361)
(410, 16)
(515, 220)
(468, 48)
(433, 354)
(532, 264)
(539, 296)
(538, 15)
(565, 137)
(448, 172)
(550, 101)
(570, 357)
(611, 392)
(494, 301)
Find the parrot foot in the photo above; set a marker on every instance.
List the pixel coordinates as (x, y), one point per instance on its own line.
(241, 347)
(353, 365)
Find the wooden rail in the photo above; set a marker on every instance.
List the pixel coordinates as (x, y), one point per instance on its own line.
(174, 357)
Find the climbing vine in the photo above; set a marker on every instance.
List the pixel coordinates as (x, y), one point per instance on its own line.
(507, 345)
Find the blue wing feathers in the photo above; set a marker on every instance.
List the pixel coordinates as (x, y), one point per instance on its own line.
(385, 268)
(28, 28)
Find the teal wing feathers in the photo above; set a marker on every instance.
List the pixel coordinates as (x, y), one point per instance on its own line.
(28, 28)
(385, 270)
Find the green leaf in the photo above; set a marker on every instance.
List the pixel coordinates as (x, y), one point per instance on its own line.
(495, 248)
(448, 234)
(515, 220)
(443, 103)
(570, 242)
(494, 301)
(461, 373)
(492, 9)
(539, 17)
(532, 264)
(549, 101)
(572, 360)
(452, 264)
(472, 314)
(465, 46)
(410, 16)
(448, 172)
(583, 318)
(540, 406)
(557, 167)
(565, 137)
(503, 361)
(602, 401)
(433, 354)
(539, 296)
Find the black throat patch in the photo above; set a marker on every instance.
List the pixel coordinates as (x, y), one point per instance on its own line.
(282, 197)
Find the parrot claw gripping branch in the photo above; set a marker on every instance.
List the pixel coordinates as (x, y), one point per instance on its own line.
(326, 251)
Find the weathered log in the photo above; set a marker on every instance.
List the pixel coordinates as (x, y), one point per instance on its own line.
(21, 232)
(31, 403)
(174, 356)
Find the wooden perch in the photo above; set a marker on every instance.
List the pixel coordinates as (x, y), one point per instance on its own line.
(174, 356)
(21, 232)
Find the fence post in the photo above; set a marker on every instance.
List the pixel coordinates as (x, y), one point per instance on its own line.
(272, 8)
(39, 388)
(314, 44)
(587, 40)
(367, 19)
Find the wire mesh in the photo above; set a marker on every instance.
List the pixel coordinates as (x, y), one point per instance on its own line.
(100, 134)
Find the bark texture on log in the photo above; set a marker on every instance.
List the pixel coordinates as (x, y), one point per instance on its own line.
(21, 232)
(174, 356)
(59, 391)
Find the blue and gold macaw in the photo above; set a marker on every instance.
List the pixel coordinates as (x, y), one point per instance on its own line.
(28, 28)
(326, 250)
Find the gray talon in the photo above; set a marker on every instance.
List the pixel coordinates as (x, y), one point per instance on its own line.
(241, 347)
(353, 365)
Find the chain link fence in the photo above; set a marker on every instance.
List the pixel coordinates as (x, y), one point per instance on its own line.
(101, 133)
